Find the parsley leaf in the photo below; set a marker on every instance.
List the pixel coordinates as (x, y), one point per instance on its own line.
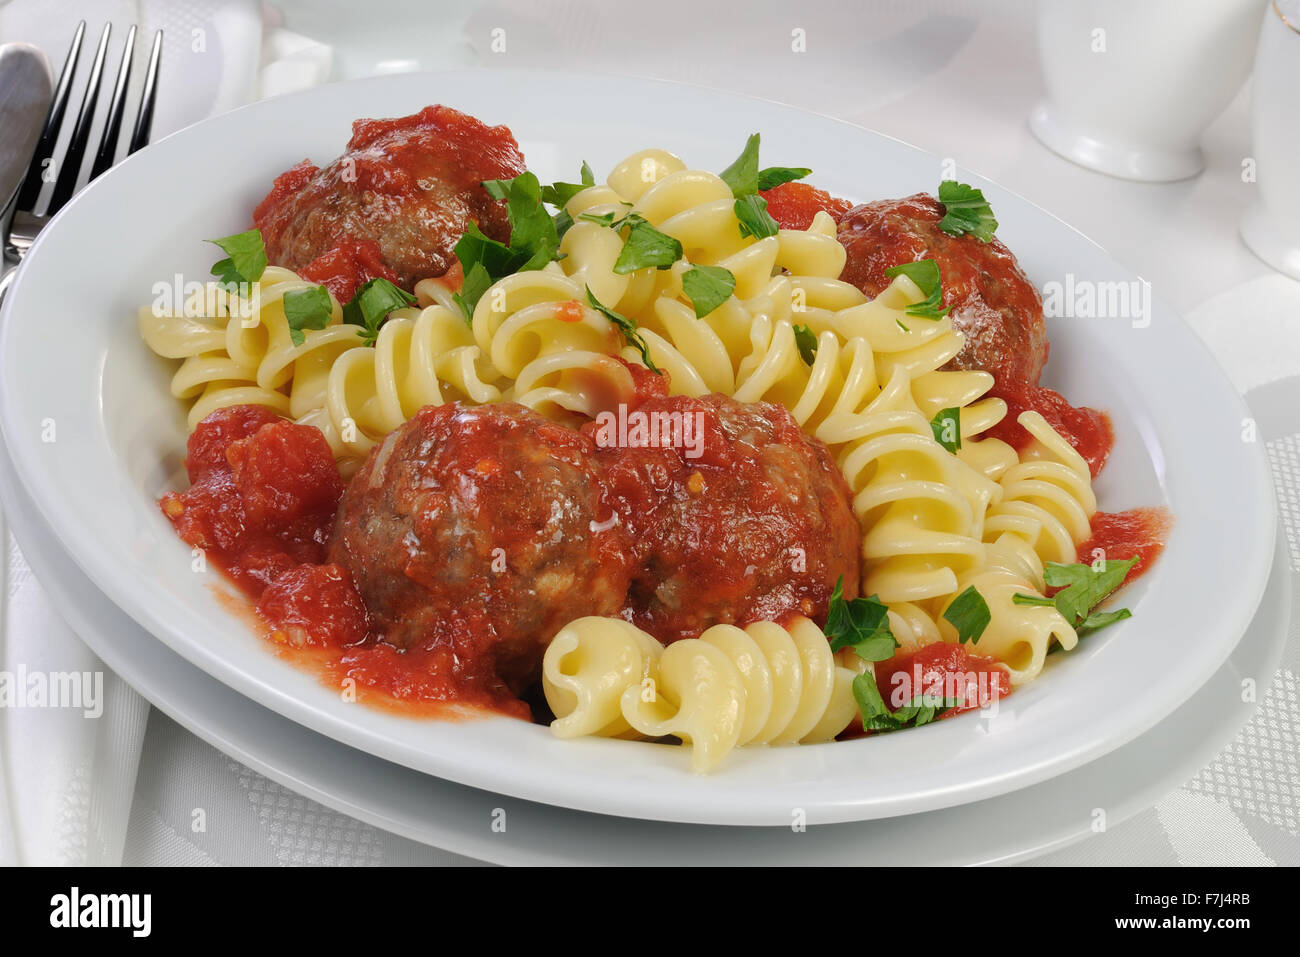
(707, 287)
(861, 624)
(806, 340)
(245, 258)
(946, 427)
(1082, 589)
(307, 309)
(965, 211)
(745, 180)
(876, 716)
(925, 273)
(969, 614)
(645, 246)
(534, 240)
(742, 175)
(627, 327)
(372, 303)
(754, 218)
(774, 176)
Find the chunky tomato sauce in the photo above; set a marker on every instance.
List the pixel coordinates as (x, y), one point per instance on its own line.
(940, 671)
(262, 504)
(1088, 430)
(346, 267)
(1121, 535)
(793, 205)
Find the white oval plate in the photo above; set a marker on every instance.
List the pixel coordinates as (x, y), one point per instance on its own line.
(73, 370)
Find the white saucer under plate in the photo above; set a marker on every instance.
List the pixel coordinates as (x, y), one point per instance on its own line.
(71, 363)
(1006, 829)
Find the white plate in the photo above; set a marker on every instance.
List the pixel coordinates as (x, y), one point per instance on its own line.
(1013, 827)
(70, 359)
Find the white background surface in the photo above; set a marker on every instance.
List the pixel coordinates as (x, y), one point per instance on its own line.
(955, 78)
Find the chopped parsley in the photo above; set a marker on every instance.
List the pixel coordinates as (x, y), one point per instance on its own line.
(707, 287)
(806, 340)
(307, 309)
(534, 240)
(876, 716)
(245, 258)
(946, 427)
(774, 176)
(969, 614)
(925, 273)
(1082, 589)
(747, 180)
(627, 327)
(861, 624)
(965, 211)
(372, 303)
(643, 246)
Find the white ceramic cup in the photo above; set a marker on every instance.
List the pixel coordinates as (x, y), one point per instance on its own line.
(1271, 227)
(1132, 84)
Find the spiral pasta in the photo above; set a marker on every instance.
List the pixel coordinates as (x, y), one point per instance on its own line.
(1047, 496)
(729, 688)
(239, 351)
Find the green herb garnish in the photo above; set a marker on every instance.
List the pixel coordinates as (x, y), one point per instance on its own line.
(627, 327)
(806, 340)
(861, 624)
(534, 240)
(969, 614)
(707, 287)
(307, 309)
(925, 273)
(1082, 588)
(946, 427)
(965, 211)
(746, 180)
(876, 716)
(245, 258)
(372, 303)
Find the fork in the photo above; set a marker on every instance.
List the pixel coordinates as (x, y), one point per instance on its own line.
(65, 172)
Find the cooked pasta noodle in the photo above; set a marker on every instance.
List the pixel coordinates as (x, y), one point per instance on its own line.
(1047, 496)
(729, 688)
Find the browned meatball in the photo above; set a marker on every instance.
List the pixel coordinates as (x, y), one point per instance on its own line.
(993, 302)
(757, 526)
(407, 185)
(483, 529)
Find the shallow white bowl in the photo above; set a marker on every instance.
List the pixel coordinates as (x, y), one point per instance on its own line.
(70, 359)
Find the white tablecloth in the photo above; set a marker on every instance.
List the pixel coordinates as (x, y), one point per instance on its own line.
(960, 85)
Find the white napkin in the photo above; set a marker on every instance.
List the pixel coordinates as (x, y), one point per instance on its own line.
(67, 781)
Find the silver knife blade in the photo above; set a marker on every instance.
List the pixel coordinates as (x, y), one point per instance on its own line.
(25, 91)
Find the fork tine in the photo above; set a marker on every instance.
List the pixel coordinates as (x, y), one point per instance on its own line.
(53, 123)
(117, 106)
(144, 119)
(66, 184)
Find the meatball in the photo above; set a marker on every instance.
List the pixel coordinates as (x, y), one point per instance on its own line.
(409, 185)
(483, 530)
(993, 303)
(736, 516)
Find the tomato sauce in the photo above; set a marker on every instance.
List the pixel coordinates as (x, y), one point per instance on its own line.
(262, 503)
(1121, 535)
(941, 670)
(793, 205)
(346, 267)
(1088, 430)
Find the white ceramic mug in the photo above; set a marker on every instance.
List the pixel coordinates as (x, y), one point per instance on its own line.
(1271, 227)
(1132, 84)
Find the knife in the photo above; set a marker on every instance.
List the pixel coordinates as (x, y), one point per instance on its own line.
(25, 92)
